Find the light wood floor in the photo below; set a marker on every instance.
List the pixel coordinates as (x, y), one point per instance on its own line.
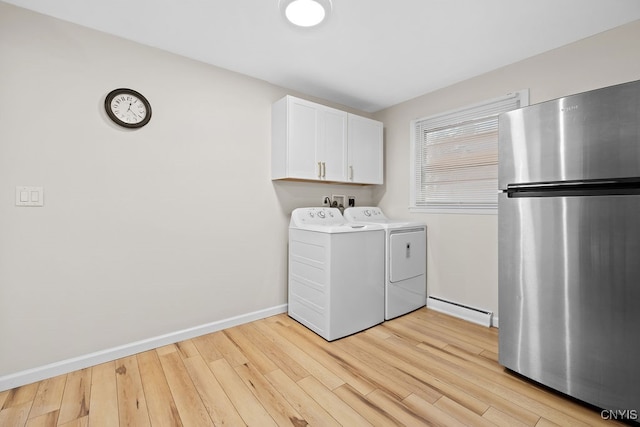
(424, 368)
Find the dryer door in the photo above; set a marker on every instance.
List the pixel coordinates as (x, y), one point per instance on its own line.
(407, 254)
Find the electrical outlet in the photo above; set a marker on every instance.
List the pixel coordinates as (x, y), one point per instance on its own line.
(326, 201)
(351, 201)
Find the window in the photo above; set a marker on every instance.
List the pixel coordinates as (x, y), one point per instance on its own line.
(454, 157)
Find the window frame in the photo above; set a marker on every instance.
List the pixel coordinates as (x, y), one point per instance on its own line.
(452, 118)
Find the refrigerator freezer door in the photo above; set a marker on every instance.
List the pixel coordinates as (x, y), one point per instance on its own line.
(569, 275)
(592, 135)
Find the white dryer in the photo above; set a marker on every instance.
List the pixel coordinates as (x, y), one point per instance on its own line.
(405, 272)
(336, 273)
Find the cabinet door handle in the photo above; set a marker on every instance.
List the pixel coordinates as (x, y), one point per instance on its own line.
(319, 169)
(350, 172)
(324, 169)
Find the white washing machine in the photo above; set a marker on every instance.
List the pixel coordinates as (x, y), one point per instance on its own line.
(405, 272)
(336, 273)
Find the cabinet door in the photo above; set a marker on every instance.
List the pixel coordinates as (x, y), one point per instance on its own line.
(365, 151)
(303, 139)
(332, 151)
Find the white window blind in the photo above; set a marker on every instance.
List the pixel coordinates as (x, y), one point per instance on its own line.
(455, 157)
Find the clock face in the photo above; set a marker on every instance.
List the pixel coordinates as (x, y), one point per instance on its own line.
(128, 108)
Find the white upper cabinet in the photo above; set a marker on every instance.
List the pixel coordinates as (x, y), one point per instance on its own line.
(365, 163)
(311, 141)
(332, 152)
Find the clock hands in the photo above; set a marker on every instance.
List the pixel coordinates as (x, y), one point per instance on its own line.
(129, 110)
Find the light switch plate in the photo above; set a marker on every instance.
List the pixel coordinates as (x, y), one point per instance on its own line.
(29, 196)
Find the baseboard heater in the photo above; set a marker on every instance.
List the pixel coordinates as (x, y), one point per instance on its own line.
(475, 315)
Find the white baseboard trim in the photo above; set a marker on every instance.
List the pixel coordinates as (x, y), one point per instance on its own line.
(474, 315)
(69, 365)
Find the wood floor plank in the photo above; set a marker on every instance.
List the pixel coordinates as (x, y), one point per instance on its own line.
(430, 382)
(291, 344)
(132, 405)
(397, 409)
(427, 339)
(417, 331)
(546, 423)
(247, 405)
(386, 375)
(78, 422)
(507, 388)
(368, 410)
(312, 412)
(341, 411)
(378, 332)
(228, 348)
(454, 375)
(15, 415)
(382, 375)
(250, 349)
(76, 397)
(166, 349)
(477, 359)
(280, 410)
(220, 409)
(160, 404)
(490, 355)
(443, 324)
(103, 408)
(461, 413)
(501, 419)
(187, 349)
(528, 395)
(206, 347)
(333, 358)
(19, 395)
(49, 419)
(49, 396)
(3, 397)
(434, 416)
(277, 355)
(447, 321)
(187, 400)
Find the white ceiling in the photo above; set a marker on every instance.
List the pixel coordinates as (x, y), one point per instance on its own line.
(371, 54)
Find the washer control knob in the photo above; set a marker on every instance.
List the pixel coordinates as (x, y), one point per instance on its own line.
(367, 212)
(311, 214)
(321, 214)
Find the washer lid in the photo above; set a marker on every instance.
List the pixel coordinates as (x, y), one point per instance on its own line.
(374, 215)
(325, 220)
(364, 214)
(340, 228)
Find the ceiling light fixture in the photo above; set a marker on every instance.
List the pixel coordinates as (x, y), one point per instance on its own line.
(305, 13)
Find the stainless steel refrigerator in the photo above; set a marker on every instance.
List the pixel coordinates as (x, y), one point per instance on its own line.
(569, 245)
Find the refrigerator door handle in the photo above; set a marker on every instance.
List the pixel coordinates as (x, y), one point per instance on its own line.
(596, 187)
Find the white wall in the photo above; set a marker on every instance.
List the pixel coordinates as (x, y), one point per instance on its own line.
(143, 232)
(462, 249)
